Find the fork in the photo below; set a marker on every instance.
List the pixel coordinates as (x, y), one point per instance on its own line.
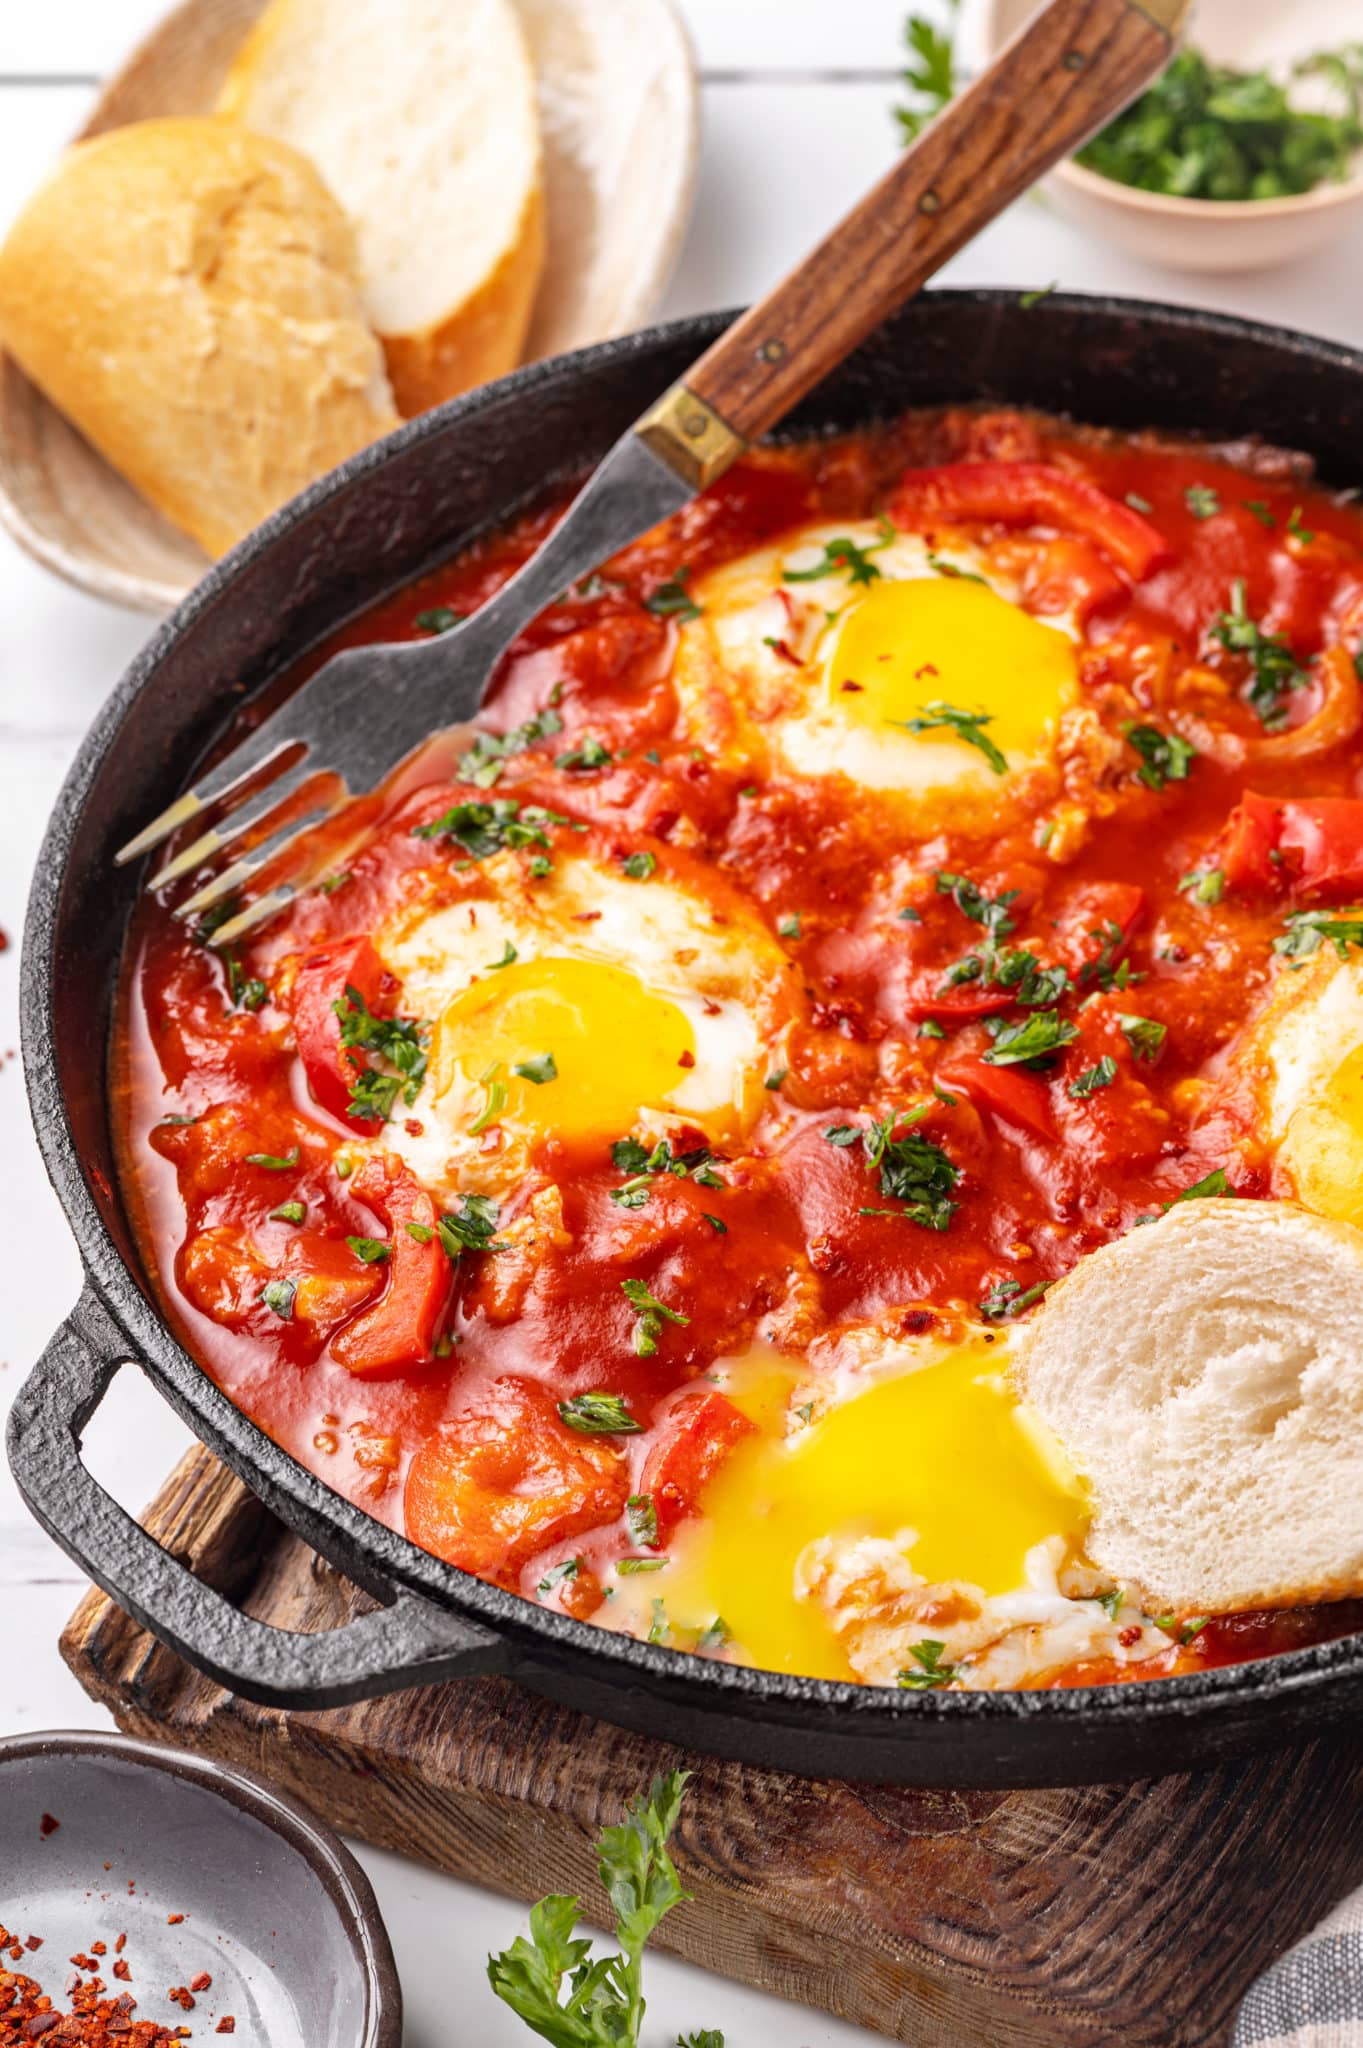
(1073, 66)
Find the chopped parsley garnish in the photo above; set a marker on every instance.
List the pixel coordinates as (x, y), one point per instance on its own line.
(1213, 1183)
(1202, 501)
(1031, 1041)
(912, 1169)
(1143, 1035)
(276, 1162)
(245, 993)
(213, 920)
(1100, 1076)
(1307, 930)
(639, 866)
(789, 927)
(438, 619)
(775, 1078)
(672, 600)
(509, 957)
(589, 753)
(652, 1314)
(277, 1296)
(1101, 969)
(1204, 885)
(966, 725)
(929, 1671)
(372, 1250)
(494, 1101)
(398, 1040)
(629, 1567)
(1259, 510)
(540, 1069)
(1008, 1298)
(482, 829)
(641, 1518)
(1112, 1603)
(931, 72)
(1274, 670)
(329, 884)
(1164, 756)
(558, 1573)
(844, 554)
(1034, 297)
(1297, 530)
(1138, 503)
(485, 759)
(472, 1229)
(288, 1212)
(716, 1223)
(599, 1415)
(940, 566)
(640, 1162)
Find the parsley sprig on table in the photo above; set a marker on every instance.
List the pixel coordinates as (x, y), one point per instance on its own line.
(930, 75)
(552, 1981)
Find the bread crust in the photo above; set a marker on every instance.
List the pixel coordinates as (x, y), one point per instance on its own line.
(187, 293)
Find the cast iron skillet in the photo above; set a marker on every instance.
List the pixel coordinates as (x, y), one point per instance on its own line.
(369, 527)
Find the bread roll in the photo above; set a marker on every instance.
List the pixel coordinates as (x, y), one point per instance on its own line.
(1205, 1374)
(187, 293)
(421, 115)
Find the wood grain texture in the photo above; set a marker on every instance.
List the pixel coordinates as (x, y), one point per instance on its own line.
(944, 1919)
(1061, 78)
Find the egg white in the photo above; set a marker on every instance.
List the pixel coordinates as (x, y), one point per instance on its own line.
(753, 672)
(724, 972)
(1305, 1057)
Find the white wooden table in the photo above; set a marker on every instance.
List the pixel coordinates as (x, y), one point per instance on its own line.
(797, 97)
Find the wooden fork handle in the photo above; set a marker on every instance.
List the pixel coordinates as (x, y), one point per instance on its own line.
(1066, 73)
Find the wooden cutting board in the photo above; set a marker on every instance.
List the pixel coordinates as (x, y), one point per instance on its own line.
(1136, 1913)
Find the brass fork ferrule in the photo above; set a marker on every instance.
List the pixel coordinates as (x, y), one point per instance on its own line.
(690, 437)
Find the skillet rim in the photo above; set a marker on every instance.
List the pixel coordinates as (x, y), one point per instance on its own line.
(367, 1548)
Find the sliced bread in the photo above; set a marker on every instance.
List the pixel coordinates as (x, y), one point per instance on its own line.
(187, 293)
(421, 115)
(1205, 1375)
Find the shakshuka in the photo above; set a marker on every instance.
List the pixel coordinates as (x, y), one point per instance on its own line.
(927, 857)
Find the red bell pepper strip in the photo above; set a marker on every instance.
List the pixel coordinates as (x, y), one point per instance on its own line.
(1019, 1099)
(320, 983)
(1029, 494)
(1249, 842)
(698, 1436)
(401, 1328)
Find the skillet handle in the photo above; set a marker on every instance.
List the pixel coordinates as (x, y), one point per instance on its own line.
(405, 1644)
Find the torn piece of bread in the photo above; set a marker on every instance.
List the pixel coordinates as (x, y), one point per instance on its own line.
(187, 293)
(1205, 1375)
(422, 117)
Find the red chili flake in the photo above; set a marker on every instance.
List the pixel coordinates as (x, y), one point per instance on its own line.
(16, 1952)
(414, 1127)
(781, 648)
(120, 1944)
(98, 1948)
(226, 2025)
(855, 688)
(174, 1919)
(203, 1982)
(34, 1941)
(48, 1825)
(686, 1059)
(122, 1972)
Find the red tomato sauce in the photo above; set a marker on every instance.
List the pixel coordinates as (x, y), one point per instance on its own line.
(427, 1387)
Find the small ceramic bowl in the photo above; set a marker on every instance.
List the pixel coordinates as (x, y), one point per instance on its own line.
(275, 1910)
(1214, 234)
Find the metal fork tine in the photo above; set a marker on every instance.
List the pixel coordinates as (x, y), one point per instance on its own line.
(242, 762)
(253, 812)
(256, 913)
(241, 871)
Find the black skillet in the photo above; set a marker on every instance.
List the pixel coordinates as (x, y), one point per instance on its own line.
(365, 530)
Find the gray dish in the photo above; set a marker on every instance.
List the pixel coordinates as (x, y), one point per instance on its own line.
(276, 1910)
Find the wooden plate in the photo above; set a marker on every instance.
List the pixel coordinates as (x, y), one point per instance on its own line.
(619, 112)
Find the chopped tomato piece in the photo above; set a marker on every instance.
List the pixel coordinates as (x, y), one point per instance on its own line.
(1314, 844)
(1020, 1099)
(1250, 840)
(1070, 576)
(697, 1437)
(319, 985)
(401, 1328)
(957, 1005)
(1097, 922)
(1029, 494)
(506, 1479)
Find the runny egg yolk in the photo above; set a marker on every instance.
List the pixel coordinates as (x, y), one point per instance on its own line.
(951, 640)
(944, 1450)
(603, 1046)
(1322, 1148)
